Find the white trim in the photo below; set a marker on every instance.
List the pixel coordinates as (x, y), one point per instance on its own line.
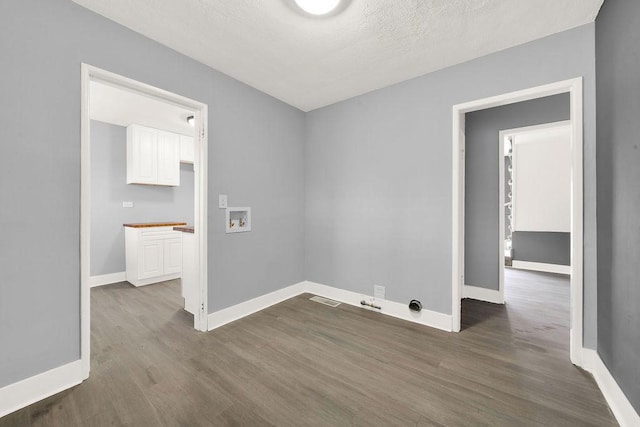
(23, 393)
(85, 222)
(541, 266)
(390, 308)
(201, 180)
(483, 294)
(457, 210)
(89, 73)
(574, 88)
(622, 409)
(501, 224)
(577, 236)
(238, 311)
(395, 309)
(107, 279)
(533, 128)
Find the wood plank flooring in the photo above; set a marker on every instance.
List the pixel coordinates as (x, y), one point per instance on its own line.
(301, 363)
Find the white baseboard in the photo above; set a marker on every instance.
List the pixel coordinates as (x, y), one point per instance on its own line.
(540, 266)
(238, 311)
(482, 294)
(23, 393)
(390, 308)
(107, 279)
(153, 280)
(620, 406)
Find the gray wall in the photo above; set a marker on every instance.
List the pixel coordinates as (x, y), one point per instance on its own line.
(544, 247)
(376, 169)
(482, 182)
(378, 173)
(109, 189)
(617, 39)
(256, 156)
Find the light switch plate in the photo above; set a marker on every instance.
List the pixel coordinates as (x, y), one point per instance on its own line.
(222, 201)
(127, 204)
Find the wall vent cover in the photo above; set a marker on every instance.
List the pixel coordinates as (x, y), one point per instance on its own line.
(325, 301)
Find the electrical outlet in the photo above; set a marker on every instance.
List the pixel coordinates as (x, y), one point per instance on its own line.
(378, 292)
(222, 201)
(127, 204)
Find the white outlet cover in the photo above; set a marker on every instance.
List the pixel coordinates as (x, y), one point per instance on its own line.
(378, 292)
(127, 204)
(222, 201)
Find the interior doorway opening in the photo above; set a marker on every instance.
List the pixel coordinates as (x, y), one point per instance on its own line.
(535, 197)
(574, 89)
(91, 79)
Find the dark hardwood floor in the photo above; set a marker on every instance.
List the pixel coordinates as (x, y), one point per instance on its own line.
(300, 363)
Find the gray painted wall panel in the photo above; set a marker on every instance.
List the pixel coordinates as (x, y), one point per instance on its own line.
(109, 189)
(256, 156)
(544, 247)
(617, 39)
(378, 181)
(482, 180)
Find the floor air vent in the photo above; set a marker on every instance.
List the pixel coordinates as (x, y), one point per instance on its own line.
(325, 301)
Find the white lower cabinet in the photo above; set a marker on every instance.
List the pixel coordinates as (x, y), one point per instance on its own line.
(173, 254)
(153, 254)
(150, 261)
(189, 273)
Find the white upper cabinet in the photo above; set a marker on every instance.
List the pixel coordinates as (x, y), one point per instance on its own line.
(187, 150)
(153, 156)
(142, 155)
(168, 158)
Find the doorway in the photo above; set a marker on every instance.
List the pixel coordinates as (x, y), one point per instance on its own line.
(91, 74)
(574, 89)
(535, 195)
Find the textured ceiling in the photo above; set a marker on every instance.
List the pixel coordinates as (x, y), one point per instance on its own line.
(312, 62)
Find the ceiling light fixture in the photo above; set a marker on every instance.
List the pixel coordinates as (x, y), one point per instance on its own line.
(317, 7)
(191, 120)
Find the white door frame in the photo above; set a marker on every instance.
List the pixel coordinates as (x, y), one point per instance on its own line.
(574, 88)
(90, 73)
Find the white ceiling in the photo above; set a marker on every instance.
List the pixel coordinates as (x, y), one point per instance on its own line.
(312, 62)
(110, 104)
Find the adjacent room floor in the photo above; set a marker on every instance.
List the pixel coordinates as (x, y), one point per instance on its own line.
(302, 363)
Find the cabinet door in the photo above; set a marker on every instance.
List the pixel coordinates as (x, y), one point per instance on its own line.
(168, 158)
(173, 255)
(190, 288)
(151, 258)
(142, 155)
(187, 153)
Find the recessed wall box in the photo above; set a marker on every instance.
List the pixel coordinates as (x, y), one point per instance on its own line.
(238, 220)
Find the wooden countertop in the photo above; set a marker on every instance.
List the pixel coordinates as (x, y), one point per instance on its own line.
(185, 229)
(155, 224)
